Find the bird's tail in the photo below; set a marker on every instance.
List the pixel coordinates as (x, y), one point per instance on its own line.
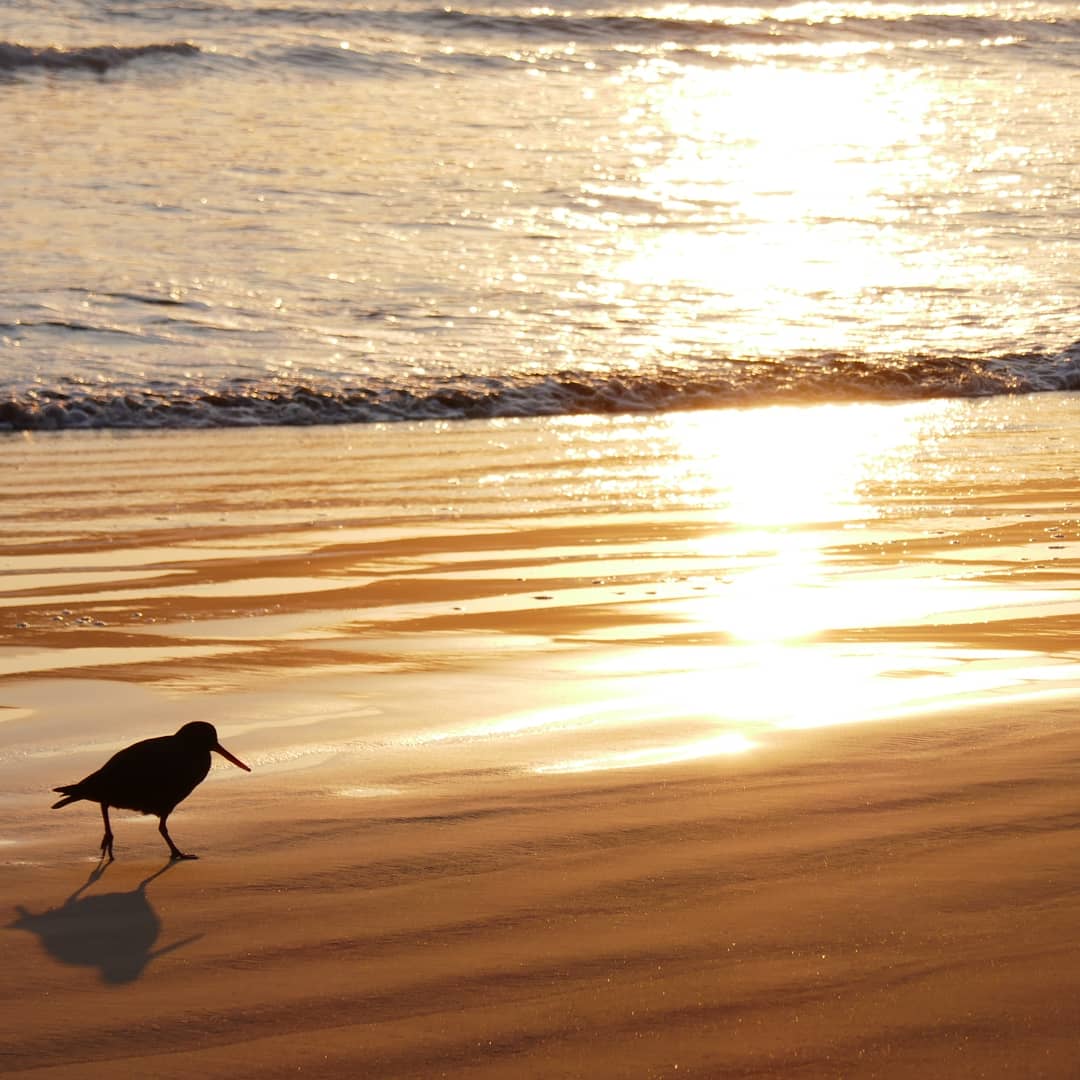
(66, 791)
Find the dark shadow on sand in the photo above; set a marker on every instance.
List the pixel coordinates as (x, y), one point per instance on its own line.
(113, 932)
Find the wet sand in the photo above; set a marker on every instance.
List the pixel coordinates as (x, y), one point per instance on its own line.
(575, 754)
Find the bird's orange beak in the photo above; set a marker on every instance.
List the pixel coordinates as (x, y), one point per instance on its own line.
(228, 757)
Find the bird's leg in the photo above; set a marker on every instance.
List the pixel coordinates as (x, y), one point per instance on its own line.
(107, 839)
(176, 852)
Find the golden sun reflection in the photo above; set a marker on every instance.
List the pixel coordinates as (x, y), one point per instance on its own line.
(796, 466)
(785, 481)
(730, 742)
(786, 478)
(678, 705)
(770, 139)
(777, 191)
(769, 648)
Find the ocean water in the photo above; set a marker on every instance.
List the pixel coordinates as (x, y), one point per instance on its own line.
(239, 212)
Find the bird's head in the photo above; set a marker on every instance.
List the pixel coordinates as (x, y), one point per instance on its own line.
(203, 735)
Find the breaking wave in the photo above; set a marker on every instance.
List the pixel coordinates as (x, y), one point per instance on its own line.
(97, 58)
(410, 41)
(723, 384)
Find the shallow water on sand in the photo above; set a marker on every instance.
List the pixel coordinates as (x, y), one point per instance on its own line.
(373, 618)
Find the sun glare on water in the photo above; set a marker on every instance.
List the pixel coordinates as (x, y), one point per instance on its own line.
(783, 198)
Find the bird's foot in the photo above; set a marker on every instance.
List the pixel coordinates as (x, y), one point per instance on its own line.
(178, 855)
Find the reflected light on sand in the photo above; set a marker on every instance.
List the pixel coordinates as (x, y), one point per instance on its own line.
(793, 466)
(751, 694)
(778, 601)
(784, 484)
(730, 742)
(367, 792)
(780, 478)
(559, 718)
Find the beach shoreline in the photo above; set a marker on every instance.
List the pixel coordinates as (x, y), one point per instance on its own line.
(566, 763)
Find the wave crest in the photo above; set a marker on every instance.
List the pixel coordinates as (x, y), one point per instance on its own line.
(96, 58)
(722, 384)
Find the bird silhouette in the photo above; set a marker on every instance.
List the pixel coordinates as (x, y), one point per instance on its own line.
(153, 776)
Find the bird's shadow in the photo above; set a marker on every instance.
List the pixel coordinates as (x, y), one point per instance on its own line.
(113, 932)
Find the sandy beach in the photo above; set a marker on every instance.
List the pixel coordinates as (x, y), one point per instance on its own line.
(715, 744)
